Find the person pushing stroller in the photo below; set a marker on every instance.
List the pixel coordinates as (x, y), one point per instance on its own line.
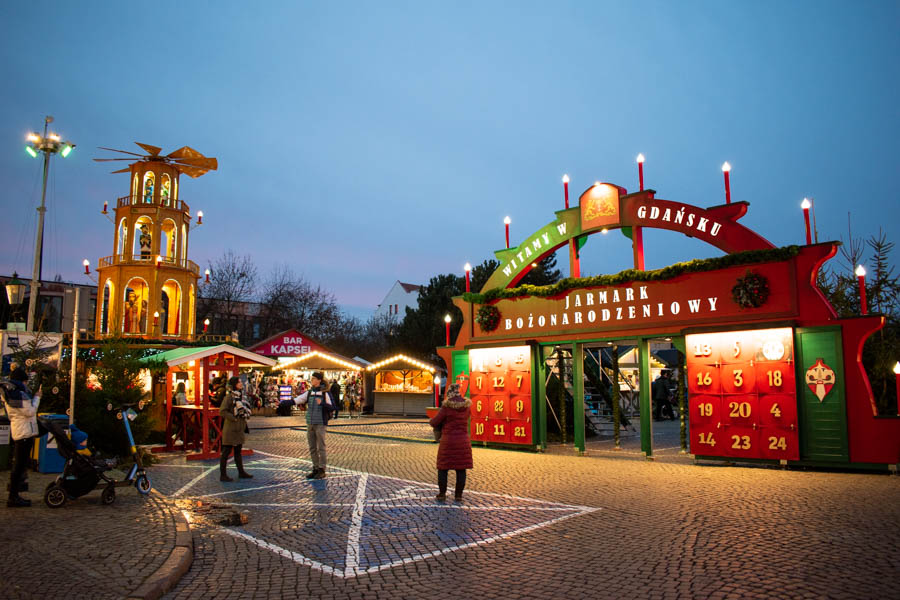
(21, 407)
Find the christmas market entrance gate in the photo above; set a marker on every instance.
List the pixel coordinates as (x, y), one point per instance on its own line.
(773, 374)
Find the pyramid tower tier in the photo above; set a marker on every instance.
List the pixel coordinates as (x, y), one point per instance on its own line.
(148, 286)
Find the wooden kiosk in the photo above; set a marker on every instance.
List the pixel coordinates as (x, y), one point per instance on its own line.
(200, 424)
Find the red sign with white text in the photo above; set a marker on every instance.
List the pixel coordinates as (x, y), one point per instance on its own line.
(288, 344)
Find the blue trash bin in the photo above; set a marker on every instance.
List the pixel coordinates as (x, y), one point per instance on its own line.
(49, 459)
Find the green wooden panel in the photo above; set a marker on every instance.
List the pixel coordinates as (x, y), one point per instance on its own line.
(578, 394)
(823, 424)
(644, 394)
(460, 360)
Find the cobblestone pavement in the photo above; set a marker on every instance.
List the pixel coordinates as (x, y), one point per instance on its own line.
(83, 549)
(551, 525)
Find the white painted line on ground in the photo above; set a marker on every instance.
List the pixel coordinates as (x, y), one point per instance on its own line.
(193, 481)
(493, 494)
(294, 556)
(352, 558)
(268, 487)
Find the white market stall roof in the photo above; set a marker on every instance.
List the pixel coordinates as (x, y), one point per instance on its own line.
(179, 356)
(320, 360)
(401, 358)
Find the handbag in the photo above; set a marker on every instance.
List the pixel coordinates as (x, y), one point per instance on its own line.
(437, 433)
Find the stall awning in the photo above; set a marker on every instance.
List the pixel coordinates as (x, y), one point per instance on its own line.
(321, 361)
(179, 356)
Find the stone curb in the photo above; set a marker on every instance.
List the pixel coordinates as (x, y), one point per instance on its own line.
(175, 566)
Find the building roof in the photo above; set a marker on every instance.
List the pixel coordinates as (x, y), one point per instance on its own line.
(179, 356)
(409, 288)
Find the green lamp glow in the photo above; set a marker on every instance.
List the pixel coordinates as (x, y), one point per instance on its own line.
(31, 151)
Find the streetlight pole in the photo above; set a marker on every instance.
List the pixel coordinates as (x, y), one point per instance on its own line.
(47, 144)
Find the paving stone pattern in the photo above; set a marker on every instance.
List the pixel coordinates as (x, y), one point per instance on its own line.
(662, 529)
(83, 549)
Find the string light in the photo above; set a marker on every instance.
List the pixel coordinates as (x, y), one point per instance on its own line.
(310, 355)
(402, 357)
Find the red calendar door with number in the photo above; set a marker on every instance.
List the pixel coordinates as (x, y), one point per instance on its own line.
(500, 390)
(743, 397)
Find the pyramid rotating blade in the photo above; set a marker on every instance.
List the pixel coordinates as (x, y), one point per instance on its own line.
(125, 170)
(122, 151)
(153, 150)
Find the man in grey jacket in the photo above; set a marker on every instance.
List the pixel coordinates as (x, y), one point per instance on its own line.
(319, 409)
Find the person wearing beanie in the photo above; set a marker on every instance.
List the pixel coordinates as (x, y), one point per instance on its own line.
(235, 412)
(79, 438)
(21, 408)
(320, 407)
(455, 450)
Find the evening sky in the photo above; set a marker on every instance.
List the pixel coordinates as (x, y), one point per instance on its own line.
(364, 142)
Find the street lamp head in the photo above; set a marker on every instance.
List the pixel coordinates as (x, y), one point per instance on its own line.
(31, 151)
(33, 138)
(15, 290)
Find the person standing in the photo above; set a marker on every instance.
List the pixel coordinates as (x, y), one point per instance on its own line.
(236, 412)
(335, 392)
(455, 450)
(319, 408)
(661, 401)
(21, 408)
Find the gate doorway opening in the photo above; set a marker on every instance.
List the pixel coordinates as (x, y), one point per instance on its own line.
(616, 395)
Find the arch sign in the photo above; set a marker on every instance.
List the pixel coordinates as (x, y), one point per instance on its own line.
(752, 328)
(607, 206)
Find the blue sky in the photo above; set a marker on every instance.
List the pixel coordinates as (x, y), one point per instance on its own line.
(364, 142)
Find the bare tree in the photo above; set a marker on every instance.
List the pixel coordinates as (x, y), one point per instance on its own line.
(224, 299)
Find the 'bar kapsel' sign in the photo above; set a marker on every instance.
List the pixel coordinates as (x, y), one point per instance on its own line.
(689, 299)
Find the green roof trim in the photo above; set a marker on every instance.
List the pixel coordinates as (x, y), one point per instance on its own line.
(694, 266)
(175, 353)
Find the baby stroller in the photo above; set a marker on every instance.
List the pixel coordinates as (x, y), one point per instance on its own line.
(80, 475)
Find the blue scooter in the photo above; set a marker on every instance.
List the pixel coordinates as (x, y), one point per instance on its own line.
(136, 473)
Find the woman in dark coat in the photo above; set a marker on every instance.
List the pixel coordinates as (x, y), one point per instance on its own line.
(455, 451)
(235, 412)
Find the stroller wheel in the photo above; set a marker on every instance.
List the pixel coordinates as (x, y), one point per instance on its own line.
(143, 485)
(109, 494)
(54, 496)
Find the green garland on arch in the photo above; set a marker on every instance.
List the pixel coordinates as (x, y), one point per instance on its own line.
(694, 266)
(751, 290)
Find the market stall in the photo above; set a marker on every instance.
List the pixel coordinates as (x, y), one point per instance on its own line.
(192, 372)
(298, 357)
(402, 386)
(294, 374)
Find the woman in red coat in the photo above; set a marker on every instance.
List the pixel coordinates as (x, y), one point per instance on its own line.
(455, 451)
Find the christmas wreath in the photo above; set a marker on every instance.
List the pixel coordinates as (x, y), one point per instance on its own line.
(751, 290)
(488, 317)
